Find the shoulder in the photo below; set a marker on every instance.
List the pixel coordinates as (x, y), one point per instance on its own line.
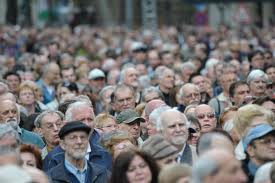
(33, 138)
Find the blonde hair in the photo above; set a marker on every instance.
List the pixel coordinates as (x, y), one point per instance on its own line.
(245, 115)
(101, 119)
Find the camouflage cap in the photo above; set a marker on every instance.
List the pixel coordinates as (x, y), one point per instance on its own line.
(128, 116)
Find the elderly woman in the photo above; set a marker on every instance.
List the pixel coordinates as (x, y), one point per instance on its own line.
(257, 81)
(117, 142)
(247, 117)
(105, 123)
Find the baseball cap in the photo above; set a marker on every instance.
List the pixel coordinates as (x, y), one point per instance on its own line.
(73, 126)
(257, 132)
(96, 73)
(128, 116)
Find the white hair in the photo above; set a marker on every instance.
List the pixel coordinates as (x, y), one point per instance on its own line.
(160, 121)
(263, 173)
(188, 65)
(123, 71)
(256, 74)
(156, 113)
(74, 106)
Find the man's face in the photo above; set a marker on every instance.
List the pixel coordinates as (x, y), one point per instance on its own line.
(54, 74)
(206, 117)
(191, 95)
(168, 78)
(258, 87)
(75, 144)
(200, 82)
(132, 128)
(262, 150)
(240, 94)
(124, 99)
(26, 97)
(257, 62)
(227, 80)
(68, 75)
(13, 82)
(8, 112)
(85, 114)
(131, 77)
(186, 73)
(271, 73)
(230, 171)
(50, 126)
(174, 127)
(153, 59)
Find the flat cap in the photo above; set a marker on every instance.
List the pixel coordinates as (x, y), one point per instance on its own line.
(128, 116)
(158, 147)
(73, 126)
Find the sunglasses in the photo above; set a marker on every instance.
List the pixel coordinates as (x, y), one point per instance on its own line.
(209, 115)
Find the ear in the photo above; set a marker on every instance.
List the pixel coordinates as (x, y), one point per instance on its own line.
(39, 131)
(62, 144)
(250, 150)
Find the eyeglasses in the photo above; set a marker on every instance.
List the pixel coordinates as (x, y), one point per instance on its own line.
(209, 115)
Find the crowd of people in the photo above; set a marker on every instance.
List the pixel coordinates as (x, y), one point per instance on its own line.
(180, 105)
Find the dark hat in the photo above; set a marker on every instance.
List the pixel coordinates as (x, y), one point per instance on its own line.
(128, 116)
(73, 126)
(158, 147)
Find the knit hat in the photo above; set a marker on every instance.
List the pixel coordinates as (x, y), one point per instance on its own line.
(158, 147)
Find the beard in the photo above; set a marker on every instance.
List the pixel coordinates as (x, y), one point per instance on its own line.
(78, 155)
(179, 140)
(13, 123)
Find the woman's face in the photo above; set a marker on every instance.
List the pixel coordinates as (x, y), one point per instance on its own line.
(109, 126)
(28, 159)
(167, 160)
(138, 171)
(123, 146)
(26, 97)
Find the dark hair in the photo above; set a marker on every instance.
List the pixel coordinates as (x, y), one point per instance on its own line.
(235, 85)
(29, 148)
(263, 99)
(71, 86)
(254, 53)
(268, 67)
(123, 161)
(64, 106)
(193, 119)
(10, 73)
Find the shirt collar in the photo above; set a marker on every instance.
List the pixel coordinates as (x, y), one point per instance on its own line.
(87, 156)
(19, 130)
(71, 168)
(180, 153)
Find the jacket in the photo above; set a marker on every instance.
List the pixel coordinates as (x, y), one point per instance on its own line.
(98, 155)
(96, 174)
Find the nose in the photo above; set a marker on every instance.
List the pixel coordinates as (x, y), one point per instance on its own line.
(55, 127)
(78, 140)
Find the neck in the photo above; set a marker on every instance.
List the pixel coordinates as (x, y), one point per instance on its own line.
(47, 82)
(257, 162)
(30, 108)
(164, 89)
(179, 147)
(78, 163)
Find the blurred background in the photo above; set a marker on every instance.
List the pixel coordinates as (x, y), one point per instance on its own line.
(138, 13)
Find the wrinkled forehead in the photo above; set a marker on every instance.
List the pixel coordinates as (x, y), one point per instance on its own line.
(203, 109)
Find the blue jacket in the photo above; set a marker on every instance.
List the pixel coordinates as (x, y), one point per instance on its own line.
(96, 174)
(98, 155)
(47, 96)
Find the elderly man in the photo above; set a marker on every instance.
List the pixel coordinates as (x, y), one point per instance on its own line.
(239, 93)
(50, 78)
(9, 113)
(75, 167)
(257, 80)
(222, 101)
(129, 76)
(151, 93)
(81, 111)
(166, 79)
(129, 121)
(201, 82)
(48, 124)
(172, 124)
(123, 98)
(259, 144)
(187, 95)
(206, 116)
(218, 166)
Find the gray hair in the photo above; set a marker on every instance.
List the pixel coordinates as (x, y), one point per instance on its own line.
(148, 90)
(181, 93)
(104, 89)
(188, 65)
(205, 142)
(155, 114)
(144, 81)
(256, 74)
(38, 119)
(123, 71)
(72, 107)
(7, 130)
(160, 120)
(203, 167)
(159, 71)
(263, 173)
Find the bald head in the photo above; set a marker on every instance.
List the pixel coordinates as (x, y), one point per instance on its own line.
(152, 105)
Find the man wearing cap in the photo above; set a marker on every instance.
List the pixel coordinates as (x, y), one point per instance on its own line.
(75, 168)
(259, 144)
(129, 121)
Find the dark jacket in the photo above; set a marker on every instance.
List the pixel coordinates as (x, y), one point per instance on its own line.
(96, 174)
(245, 168)
(98, 155)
